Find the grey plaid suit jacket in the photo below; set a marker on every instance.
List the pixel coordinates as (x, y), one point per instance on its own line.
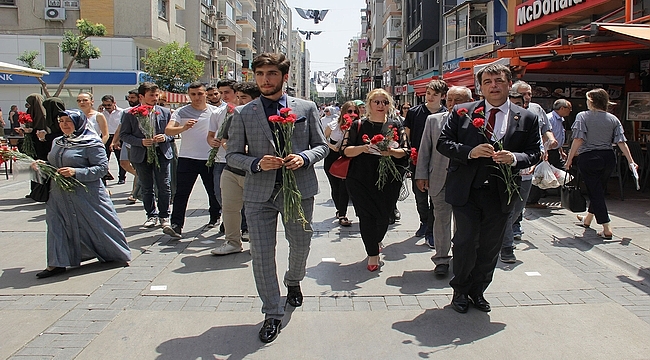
(432, 165)
(250, 127)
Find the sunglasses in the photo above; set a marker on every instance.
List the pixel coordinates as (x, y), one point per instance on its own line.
(384, 102)
(353, 111)
(107, 105)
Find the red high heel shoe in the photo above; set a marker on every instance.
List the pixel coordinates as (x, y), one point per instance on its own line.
(373, 268)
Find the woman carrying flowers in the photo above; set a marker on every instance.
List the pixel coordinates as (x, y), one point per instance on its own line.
(81, 224)
(334, 132)
(379, 153)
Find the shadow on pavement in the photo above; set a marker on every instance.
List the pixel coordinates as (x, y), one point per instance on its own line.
(341, 277)
(643, 284)
(443, 329)
(398, 250)
(418, 281)
(220, 342)
(209, 262)
(14, 278)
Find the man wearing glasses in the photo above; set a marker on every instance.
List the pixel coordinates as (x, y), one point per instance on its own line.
(113, 115)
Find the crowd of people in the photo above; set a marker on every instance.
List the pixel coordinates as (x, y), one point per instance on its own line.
(470, 163)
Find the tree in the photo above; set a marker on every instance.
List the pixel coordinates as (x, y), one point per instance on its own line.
(172, 66)
(78, 47)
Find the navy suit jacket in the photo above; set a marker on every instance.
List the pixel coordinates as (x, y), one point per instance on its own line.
(459, 137)
(130, 133)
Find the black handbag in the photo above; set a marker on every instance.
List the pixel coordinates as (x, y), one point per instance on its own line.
(571, 198)
(41, 192)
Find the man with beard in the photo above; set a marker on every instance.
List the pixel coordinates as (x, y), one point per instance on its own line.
(252, 148)
(213, 96)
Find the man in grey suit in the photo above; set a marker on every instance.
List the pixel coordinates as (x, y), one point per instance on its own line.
(252, 148)
(431, 174)
(131, 133)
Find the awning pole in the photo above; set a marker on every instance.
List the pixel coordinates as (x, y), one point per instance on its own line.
(629, 9)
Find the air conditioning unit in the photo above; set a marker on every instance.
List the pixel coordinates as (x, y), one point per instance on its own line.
(223, 38)
(217, 45)
(212, 11)
(54, 14)
(218, 15)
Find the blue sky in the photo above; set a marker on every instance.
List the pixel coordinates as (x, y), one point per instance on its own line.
(342, 22)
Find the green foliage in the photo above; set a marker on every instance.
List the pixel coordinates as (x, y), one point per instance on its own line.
(172, 66)
(29, 59)
(78, 46)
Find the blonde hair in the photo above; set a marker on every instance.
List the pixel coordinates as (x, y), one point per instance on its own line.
(382, 92)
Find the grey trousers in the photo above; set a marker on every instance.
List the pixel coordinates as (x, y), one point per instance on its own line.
(262, 226)
(441, 228)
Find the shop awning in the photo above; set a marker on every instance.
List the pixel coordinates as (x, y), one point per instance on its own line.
(420, 86)
(175, 98)
(548, 52)
(639, 33)
(20, 70)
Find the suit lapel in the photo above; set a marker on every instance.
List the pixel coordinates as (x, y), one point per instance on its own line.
(260, 115)
(513, 122)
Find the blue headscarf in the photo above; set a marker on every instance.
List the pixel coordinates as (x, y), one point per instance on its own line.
(83, 134)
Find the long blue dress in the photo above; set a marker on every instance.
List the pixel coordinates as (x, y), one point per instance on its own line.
(83, 224)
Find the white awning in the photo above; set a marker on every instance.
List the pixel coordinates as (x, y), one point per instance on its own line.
(20, 70)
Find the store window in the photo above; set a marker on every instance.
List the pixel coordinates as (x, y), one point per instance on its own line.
(7, 2)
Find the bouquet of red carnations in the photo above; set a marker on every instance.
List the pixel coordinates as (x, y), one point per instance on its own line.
(384, 142)
(25, 121)
(43, 169)
(284, 125)
(143, 114)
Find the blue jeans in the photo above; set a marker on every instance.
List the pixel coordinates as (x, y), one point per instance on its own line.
(147, 174)
(520, 202)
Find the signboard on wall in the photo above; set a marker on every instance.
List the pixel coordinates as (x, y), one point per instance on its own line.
(531, 14)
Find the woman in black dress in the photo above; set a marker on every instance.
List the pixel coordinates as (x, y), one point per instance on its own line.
(372, 204)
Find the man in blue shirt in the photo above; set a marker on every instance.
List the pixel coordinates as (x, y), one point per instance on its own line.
(561, 109)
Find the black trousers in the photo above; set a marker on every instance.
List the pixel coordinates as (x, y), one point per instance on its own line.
(480, 226)
(122, 172)
(340, 194)
(188, 171)
(596, 167)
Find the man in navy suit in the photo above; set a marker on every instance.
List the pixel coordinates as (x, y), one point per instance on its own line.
(475, 188)
(131, 133)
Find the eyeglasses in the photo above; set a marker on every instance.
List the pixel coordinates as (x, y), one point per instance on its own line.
(350, 111)
(384, 102)
(107, 105)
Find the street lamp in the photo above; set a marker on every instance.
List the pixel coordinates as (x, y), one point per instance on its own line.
(393, 42)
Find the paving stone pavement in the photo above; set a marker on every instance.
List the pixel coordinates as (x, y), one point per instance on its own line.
(590, 272)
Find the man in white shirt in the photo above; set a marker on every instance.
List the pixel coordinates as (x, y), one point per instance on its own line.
(113, 115)
(193, 121)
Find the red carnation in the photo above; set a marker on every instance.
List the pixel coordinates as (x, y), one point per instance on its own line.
(276, 119)
(414, 156)
(365, 138)
(231, 109)
(290, 118)
(285, 111)
(479, 110)
(462, 111)
(478, 122)
(24, 118)
(377, 139)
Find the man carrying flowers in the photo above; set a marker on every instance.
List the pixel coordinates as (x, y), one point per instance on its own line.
(487, 142)
(278, 155)
(143, 127)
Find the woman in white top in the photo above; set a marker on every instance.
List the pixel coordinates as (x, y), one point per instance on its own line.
(334, 135)
(96, 120)
(328, 117)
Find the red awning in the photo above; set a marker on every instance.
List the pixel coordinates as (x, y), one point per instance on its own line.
(420, 86)
(460, 78)
(175, 98)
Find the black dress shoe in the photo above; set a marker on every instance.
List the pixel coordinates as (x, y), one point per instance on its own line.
(460, 303)
(480, 303)
(270, 330)
(47, 273)
(294, 296)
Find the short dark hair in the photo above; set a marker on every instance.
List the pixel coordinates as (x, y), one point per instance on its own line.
(599, 98)
(108, 98)
(249, 88)
(227, 82)
(146, 87)
(195, 85)
(439, 86)
(276, 59)
(494, 69)
(133, 92)
(210, 87)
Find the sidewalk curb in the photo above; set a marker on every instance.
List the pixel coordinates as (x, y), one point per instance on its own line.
(543, 224)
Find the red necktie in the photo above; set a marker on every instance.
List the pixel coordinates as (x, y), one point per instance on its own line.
(489, 129)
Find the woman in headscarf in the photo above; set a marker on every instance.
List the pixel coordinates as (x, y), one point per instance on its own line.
(34, 104)
(81, 224)
(53, 106)
(328, 117)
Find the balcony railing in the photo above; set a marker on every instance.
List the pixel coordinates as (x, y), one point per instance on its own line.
(246, 19)
(230, 27)
(245, 42)
(457, 48)
(227, 53)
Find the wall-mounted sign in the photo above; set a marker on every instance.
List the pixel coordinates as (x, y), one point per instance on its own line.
(538, 12)
(450, 65)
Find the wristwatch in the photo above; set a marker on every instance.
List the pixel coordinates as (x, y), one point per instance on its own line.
(259, 166)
